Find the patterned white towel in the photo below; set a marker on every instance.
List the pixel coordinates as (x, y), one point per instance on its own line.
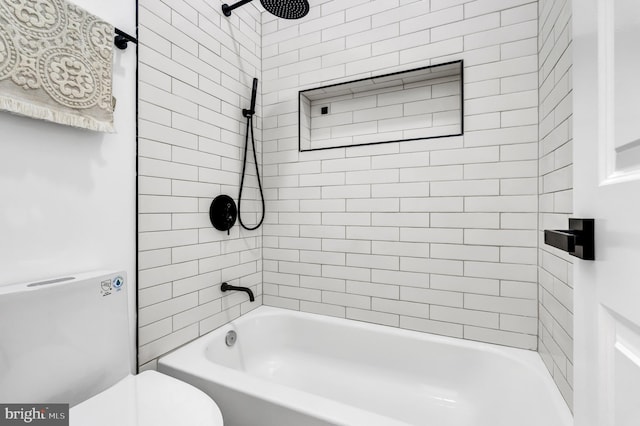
(56, 63)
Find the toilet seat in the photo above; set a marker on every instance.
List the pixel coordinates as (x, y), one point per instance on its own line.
(148, 399)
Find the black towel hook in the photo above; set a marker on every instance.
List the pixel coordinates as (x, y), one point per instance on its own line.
(122, 39)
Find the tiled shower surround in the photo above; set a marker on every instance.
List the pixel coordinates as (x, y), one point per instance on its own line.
(433, 235)
(196, 71)
(555, 333)
(438, 235)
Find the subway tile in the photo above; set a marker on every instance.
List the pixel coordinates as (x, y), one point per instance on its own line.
(323, 309)
(518, 340)
(468, 26)
(504, 305)
(275, 278)
(348, 28)
(281, 302)
(465, 220)
(505, 204)
(346, 246)
(347, 300)
(417, 220)
(465, 316)
(502, 271)
(436, 266)
(400, 307)
(298, 293)
(432, 50)
(406, 189)
(373, 317)
(323, 257)
(154, 258)
(165, 239)
(518, 324)
(479, 7)
(373, 35)
(431, 326)
(372, 233)
(154, 222)
(501, 35)
(196, 283)
(163, 274)
(430, 174)
(429, 20)
(466, 284)
(465, 156)
(152, 295)
(432, 204)
(346, 272)
(465, 187)
(370, 261)
(321, 283)
(400, 278)
(465, 252)
(518, 238)
(431, 235)
(372, 289)
(400, 249)
(519, 289)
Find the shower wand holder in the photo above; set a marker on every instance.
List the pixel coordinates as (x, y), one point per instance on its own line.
(248, 113)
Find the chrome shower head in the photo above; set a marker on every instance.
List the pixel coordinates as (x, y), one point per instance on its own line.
(286, 9)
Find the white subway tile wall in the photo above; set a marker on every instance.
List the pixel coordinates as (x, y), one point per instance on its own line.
(555, 341)
(442, 236)
(433, 235)
(196, 71)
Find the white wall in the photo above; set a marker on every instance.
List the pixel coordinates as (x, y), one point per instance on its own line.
(555, 340)
(67, 196)
(437, 235)
(196, 73)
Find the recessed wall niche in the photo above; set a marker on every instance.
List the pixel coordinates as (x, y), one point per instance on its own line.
(422, 103)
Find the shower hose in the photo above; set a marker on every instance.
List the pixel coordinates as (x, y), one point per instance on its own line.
(244, 169)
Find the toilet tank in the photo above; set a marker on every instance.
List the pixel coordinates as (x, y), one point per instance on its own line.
(63, 340)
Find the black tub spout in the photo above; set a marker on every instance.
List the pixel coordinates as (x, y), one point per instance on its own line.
(227, 287)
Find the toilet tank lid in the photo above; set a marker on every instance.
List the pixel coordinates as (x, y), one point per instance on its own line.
(56, 281)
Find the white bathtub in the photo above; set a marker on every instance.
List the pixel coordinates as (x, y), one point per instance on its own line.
(295, 369)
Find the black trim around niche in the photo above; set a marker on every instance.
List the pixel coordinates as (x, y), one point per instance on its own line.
(301, 92)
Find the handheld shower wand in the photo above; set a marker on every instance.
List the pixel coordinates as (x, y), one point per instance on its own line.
(249, 113)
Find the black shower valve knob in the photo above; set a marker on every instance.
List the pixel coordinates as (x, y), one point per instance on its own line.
(223, 213)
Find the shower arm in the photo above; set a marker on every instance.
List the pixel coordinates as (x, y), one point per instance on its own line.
(226, 9)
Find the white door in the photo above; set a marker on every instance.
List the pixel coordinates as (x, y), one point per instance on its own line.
(606, 137)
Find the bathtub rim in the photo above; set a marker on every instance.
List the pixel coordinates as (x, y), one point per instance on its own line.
(191, 359)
